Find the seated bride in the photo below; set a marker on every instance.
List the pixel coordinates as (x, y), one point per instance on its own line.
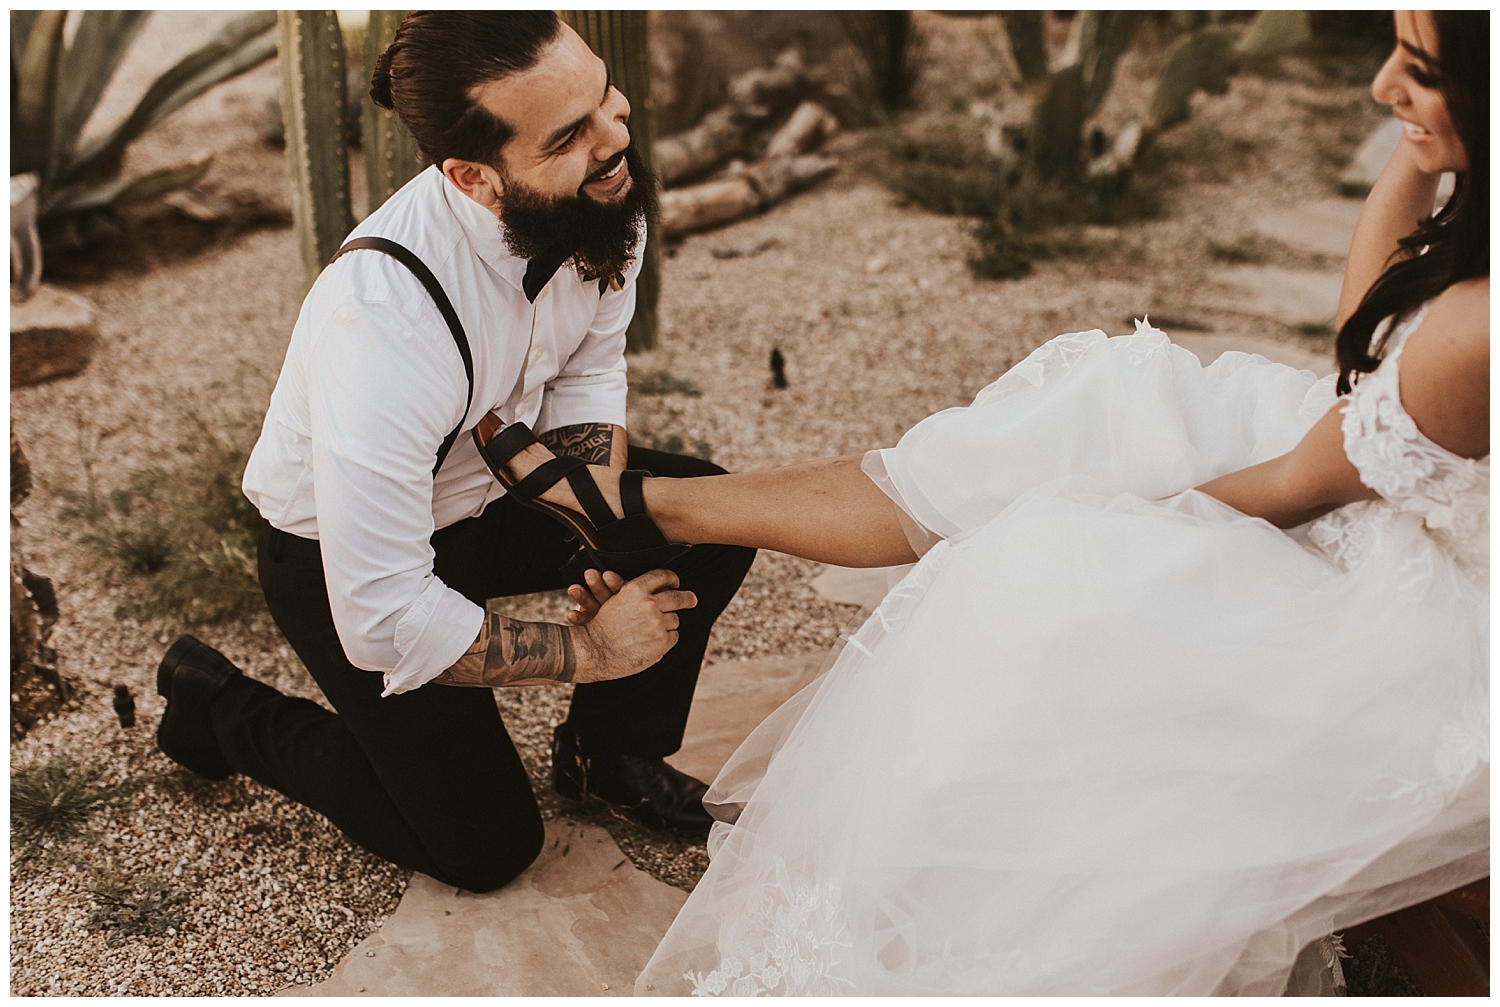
(1193, 666)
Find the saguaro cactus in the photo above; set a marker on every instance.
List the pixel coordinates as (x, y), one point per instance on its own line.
(622, 39)
(313, 103)
(1062, 99)
(391, 155)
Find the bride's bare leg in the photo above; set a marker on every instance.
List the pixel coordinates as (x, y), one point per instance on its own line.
(825, 510)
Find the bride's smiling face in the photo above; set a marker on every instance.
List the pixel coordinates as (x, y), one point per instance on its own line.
(1408, 82)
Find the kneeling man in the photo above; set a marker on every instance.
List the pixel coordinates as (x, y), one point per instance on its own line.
(383, 531)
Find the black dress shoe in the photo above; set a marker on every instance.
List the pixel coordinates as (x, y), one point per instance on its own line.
(189, 677)
(648, 790)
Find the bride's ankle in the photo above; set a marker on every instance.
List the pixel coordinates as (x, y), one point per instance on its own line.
(607, 478)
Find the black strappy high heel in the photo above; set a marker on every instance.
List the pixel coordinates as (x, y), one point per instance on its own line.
(629, 545)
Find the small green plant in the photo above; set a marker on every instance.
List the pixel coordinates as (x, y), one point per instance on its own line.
(1003, 254)
(890, 51)
(58, 78)
(144, 908)
(186, 529)
(1314, 328)
(53, 799)
(665, 383)
(1243, 251)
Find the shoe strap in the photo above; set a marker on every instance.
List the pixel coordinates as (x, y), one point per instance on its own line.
(508, 443)
(589, 497)
(542, 478)
(632, 499)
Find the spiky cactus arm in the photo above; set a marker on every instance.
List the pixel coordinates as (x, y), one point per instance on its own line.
(1062, 100)
(391, 155)
(313, 102)
(622, 40)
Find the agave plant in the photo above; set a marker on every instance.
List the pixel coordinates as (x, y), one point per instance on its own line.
(57, 80)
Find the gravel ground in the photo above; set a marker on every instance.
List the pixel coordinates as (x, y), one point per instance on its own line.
(880, 323)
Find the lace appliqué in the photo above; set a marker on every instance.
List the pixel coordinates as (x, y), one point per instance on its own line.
(1413, 475)
(1056, 354)
(1463, 750)
(1062, 352)
(795, 934)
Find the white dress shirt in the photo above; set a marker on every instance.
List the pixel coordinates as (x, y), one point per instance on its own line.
(373, 382)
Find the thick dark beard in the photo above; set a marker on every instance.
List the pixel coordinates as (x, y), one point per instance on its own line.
(600, 238)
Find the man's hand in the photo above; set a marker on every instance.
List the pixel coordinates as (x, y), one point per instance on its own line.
(632, 628)
(591, 595)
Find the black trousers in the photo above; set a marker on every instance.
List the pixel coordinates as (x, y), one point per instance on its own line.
(429, 779)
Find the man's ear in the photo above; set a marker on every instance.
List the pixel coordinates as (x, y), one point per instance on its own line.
(479, 182)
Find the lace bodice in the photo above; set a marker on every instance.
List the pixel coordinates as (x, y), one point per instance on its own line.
(1413, 475)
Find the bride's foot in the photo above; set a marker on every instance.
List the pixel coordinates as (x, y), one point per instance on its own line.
(536, 454)
(560, 493)
(603, 507)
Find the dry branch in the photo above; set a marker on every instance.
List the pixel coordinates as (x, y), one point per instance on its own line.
(755, 97)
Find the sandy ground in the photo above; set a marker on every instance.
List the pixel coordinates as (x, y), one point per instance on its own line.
(880, 323)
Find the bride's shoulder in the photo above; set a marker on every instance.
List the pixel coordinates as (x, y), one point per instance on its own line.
(1464, 310)
(1445, 369)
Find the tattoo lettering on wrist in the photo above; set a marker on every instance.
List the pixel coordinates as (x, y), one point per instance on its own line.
(593, 442)
(511, 652)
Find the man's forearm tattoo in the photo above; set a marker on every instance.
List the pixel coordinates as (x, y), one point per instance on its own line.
(511, 652)
(593, 442)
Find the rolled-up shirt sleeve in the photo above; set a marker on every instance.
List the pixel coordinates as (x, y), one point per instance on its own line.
(591, 386)
(382, 397)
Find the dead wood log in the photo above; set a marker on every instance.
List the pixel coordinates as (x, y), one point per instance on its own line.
(699, 207)
(36, 688)
(754, 97)
(806, 130)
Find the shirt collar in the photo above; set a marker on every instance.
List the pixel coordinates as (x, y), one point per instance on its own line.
(483, 231)
(482, 228)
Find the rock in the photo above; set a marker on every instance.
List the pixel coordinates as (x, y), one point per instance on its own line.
(731, 700)
(581, 921)
(865, 588)
(36, 688)
(25, 245)
(1325, 227)
(1299, 299)
(51, 335)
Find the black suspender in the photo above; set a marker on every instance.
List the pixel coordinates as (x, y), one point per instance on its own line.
(419, 269)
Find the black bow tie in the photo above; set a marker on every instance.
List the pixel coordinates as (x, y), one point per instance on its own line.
(539, 271)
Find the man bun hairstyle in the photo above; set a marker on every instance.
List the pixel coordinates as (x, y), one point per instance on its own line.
(380, 80)
(429, 72)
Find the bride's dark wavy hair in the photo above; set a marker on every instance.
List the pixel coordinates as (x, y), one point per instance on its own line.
(1456, 238)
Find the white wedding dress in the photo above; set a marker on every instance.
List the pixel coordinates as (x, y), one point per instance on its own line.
(1110, 736)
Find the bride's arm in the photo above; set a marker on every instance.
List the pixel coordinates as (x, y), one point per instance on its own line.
(1400, 199)
(1445, 388)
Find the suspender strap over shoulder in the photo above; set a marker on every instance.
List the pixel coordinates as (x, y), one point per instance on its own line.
(419, 269)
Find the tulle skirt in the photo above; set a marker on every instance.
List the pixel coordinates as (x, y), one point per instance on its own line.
(1109, 736)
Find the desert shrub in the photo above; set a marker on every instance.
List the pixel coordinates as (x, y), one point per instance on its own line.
(890, 53)
(142, 907)
(183, 526)
(663, 382)
(53, 799)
